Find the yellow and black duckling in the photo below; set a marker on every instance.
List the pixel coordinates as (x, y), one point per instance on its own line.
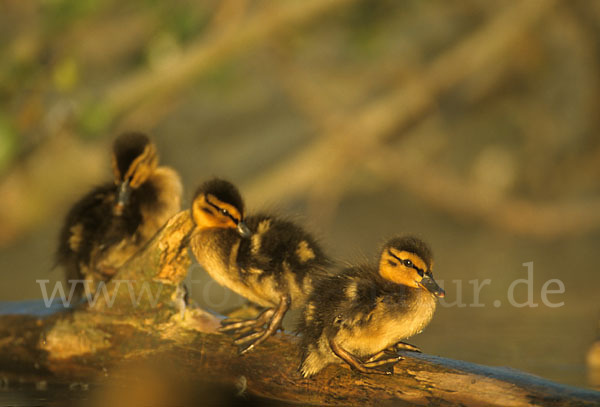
(109, 224)
(361, 315)
(269, 261)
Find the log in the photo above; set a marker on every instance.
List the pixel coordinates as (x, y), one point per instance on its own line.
(122, 338)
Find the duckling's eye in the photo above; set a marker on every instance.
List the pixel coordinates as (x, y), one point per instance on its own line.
(408, 263)
(224, 212)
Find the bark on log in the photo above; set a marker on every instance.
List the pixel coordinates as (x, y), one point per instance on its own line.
(92, 343)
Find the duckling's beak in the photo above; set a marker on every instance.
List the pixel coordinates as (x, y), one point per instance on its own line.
(430, 285)
(124, 193)
(243, 230)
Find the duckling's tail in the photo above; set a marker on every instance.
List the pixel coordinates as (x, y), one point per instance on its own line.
(315, 357)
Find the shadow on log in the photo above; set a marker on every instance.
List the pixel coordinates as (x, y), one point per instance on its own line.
(142, 320)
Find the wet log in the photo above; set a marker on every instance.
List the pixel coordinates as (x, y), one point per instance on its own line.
(98, 344)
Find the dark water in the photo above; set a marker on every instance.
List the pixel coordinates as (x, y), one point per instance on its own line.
(50, 397)
(78, 395)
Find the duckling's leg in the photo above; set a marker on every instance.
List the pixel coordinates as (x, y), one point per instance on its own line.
(367, 367)
(274, 324)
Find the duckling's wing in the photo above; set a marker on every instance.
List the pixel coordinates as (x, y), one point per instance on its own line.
(352, 298)
(326, 303)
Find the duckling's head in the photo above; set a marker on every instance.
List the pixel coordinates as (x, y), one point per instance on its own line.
(218, 204)
(408, 261)
(134, 160)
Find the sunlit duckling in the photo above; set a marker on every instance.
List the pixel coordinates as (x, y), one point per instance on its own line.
(269, 261)
(362, 314)
(109, 224)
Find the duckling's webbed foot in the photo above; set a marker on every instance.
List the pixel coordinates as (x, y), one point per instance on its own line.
(373, 365)
(255, 338)
(386, 354)
(238, 327)
(391, 351)
(406, 346)
(383, 366)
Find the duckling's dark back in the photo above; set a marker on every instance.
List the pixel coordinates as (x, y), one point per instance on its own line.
(91, 225)
(277, 244)
(84, 224)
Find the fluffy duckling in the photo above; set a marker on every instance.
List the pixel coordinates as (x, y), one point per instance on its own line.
(361, 315)
(109, 224)
(269, 261)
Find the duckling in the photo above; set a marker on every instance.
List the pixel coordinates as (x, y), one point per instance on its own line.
(109, 224)
(361, 315)
(270, 261)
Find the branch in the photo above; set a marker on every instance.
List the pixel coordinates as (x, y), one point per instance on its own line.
(211, 51)
(447, 191)
(349, 137)
(353, 140)
(92, 344)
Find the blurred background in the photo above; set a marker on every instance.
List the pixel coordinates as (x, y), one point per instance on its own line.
(473, 124)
